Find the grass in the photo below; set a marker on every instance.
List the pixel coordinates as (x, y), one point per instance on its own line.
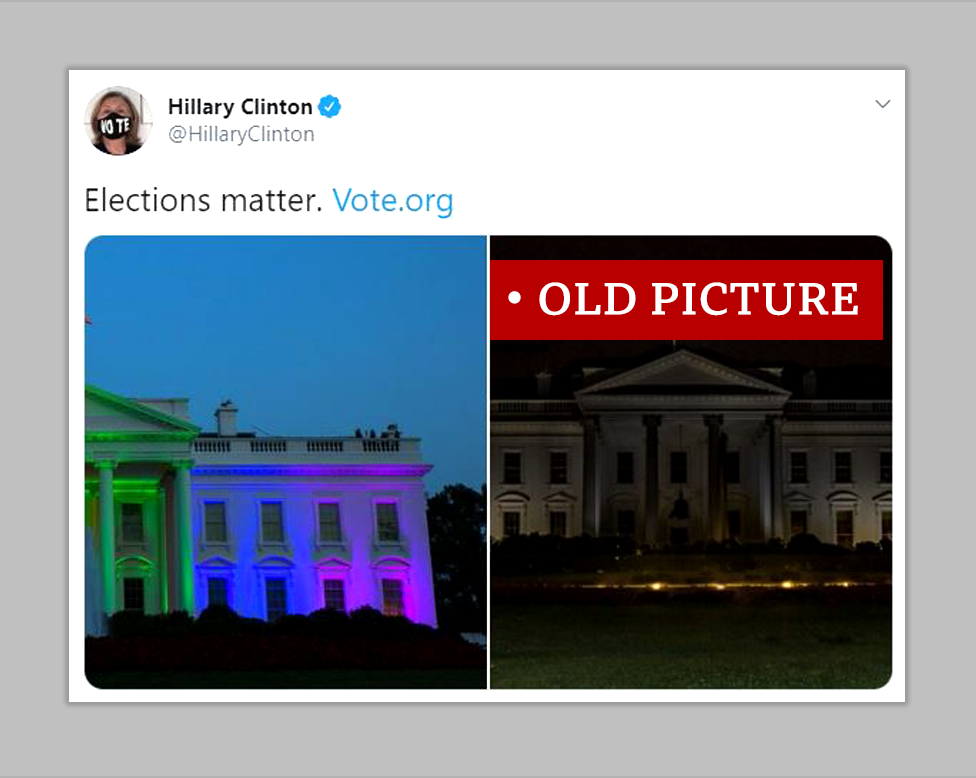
(317, 679)
(784, 641)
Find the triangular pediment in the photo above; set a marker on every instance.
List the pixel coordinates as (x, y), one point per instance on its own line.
(112, 416)
(683, 373)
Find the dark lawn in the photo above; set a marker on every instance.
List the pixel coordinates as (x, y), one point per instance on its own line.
(752, 641)
(294, 679)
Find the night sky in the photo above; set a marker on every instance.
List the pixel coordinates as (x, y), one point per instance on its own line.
(308, 336)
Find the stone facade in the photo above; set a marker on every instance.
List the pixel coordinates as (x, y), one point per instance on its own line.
(685, 449)
(177, 519)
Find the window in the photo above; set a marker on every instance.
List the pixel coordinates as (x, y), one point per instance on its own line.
(732, 467)
(798, 467)
(798, 522)
(217, 591)
(511, 467)
(511, 523)
(134, 594)
(215, 522)
(735, 523)
(625, 467)
(679, 467)
(844, 524)
(275, 598)
(625, 523)
(557, 523)
(132, 527)
(886, 523)
(330, 529)
(884, 467)
(272, 523)
(558, 467)
(843, 467)
(334, 594)
(387, 522)
(392, 597)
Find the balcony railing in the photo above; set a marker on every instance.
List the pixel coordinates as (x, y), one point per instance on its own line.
(838, 407)
(306, 449)
(534, 407)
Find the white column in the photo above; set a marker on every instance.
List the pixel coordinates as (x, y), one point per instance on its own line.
(776, 474)
(652, 532)
(185, 576)
(765, 488)
(106, 532)
(591, 477)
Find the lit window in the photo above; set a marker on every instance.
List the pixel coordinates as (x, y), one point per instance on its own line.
(886, 524)
(392, 597)
(843, 467)
(334, 594)
(132, 526)
(330, 529)
(884, 469)
(625, 523)
(272, 523)
(798, 522)
(387, 522)
(275, 598)
(215, 522)
(732, 467)
(557, 523)
(217, 591)
(511, 467)
(844, 524)
(134, 594)
(625, 467)
(798, 467)
(558, 467)
(679, 467)
(511, 523)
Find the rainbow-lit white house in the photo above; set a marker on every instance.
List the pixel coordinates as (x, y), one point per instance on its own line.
(179, 519)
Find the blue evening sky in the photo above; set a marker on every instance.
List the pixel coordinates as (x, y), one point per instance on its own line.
(308, 336)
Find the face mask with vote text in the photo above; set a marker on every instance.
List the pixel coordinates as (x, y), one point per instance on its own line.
(114, 126)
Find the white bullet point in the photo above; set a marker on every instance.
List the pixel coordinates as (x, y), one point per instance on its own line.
(514, 297)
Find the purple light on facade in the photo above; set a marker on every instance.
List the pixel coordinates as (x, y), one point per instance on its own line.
(295, 556)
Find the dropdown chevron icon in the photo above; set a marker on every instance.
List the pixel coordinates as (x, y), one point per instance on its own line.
(882, 104)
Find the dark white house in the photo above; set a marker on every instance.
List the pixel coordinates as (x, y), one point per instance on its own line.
(685, 447)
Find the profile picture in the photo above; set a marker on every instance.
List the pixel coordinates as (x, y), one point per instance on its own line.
(118, 120)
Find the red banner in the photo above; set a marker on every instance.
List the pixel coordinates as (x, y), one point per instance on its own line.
(687, 300)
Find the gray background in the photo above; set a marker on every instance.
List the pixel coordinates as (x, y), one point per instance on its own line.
(930, 734)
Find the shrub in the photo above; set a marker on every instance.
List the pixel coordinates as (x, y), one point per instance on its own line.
(330, 623)
(804, 543)
(123, 623)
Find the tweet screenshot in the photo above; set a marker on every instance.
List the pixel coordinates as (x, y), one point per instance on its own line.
(486, 386)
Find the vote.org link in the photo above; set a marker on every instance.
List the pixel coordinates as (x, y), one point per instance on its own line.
(256, 133)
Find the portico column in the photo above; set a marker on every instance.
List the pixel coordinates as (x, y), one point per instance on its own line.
(163, 554)
(775, 425)
(651, 424)
(714, 423)
(184, 537)
(765, 483)
(591, 478)
(106, 532)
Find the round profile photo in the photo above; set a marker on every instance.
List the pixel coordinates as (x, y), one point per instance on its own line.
(118, 120)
